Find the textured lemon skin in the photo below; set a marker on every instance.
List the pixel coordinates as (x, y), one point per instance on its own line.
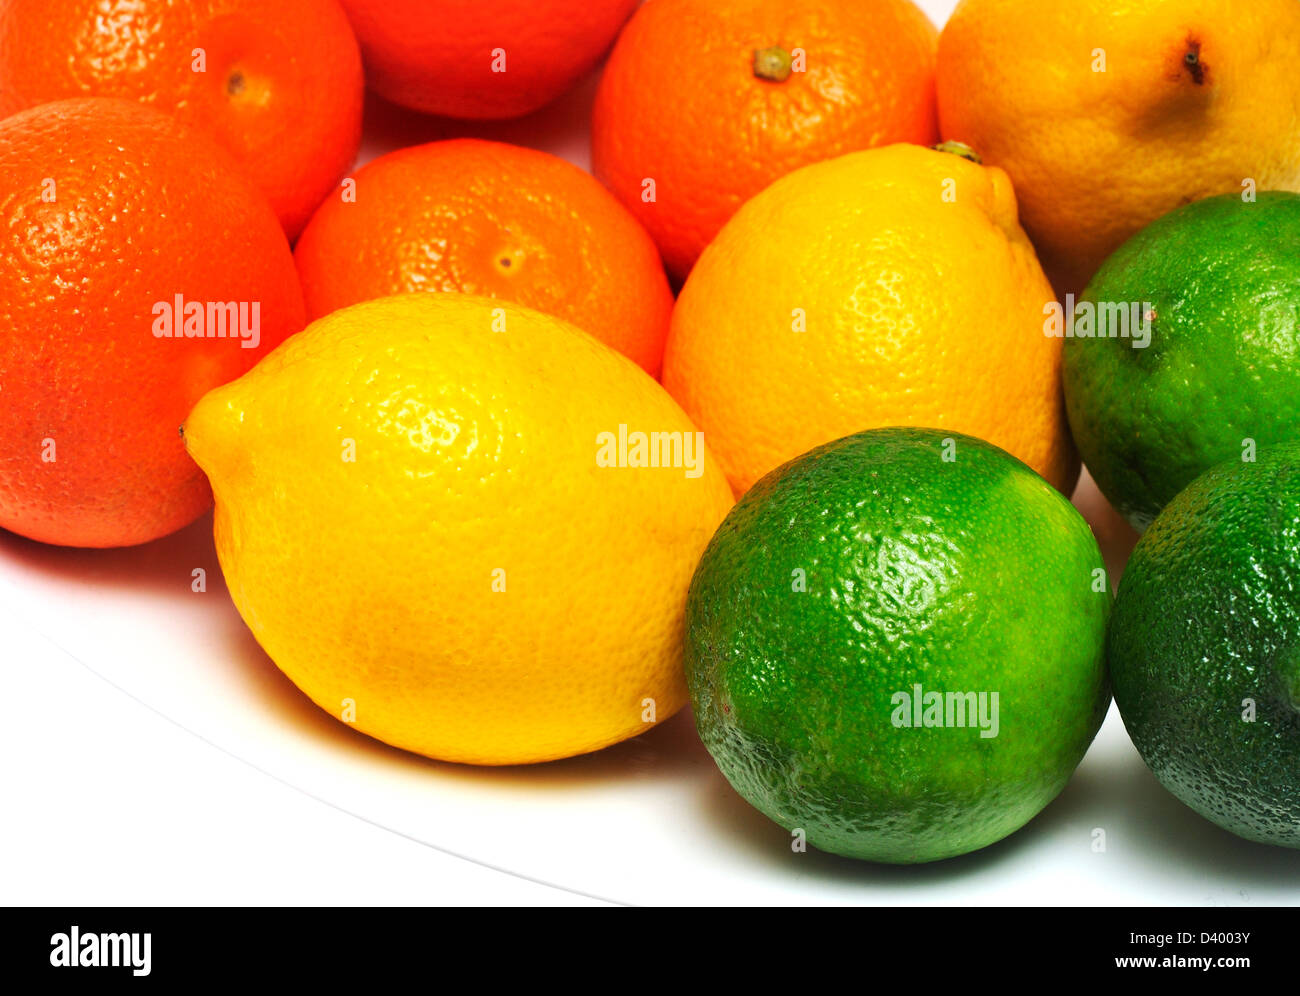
(890, 287)
(1097, 155)
(372, 583)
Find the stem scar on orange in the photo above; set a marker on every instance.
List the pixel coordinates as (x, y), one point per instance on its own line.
(703, 103)
(279, 85)
(496, 220)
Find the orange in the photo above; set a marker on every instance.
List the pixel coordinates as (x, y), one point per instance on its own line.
(110, 212)
(883, 288)
(481, 58)
(279, 85)
(1107, 115)
(703, 103)
(491, 219)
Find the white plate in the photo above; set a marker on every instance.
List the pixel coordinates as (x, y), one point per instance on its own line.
(648, 821)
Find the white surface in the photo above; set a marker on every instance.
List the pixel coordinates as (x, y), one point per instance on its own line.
(108, 803)
(153, 754)
(124, 750)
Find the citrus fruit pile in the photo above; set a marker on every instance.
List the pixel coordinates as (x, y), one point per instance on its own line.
(776, 411)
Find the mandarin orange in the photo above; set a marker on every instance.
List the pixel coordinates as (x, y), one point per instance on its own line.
(490, 219)
(278, 85)
(138, 270)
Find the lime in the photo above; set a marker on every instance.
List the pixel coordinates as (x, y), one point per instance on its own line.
(1204, 646)
(1213, 289)
(895, 645)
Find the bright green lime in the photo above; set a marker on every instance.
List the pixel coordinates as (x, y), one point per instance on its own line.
(1204, 646)
(1218, 284)
(851, 585)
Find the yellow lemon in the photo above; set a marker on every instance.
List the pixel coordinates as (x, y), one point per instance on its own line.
(1107, 114)
(888, 287)
(464, 526)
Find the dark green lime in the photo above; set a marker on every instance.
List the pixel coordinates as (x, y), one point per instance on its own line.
(1204, 646)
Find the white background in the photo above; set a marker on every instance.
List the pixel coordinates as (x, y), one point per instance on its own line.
(153, 755)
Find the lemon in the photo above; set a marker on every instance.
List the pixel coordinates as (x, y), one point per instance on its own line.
(462, 526)
(887, 287)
